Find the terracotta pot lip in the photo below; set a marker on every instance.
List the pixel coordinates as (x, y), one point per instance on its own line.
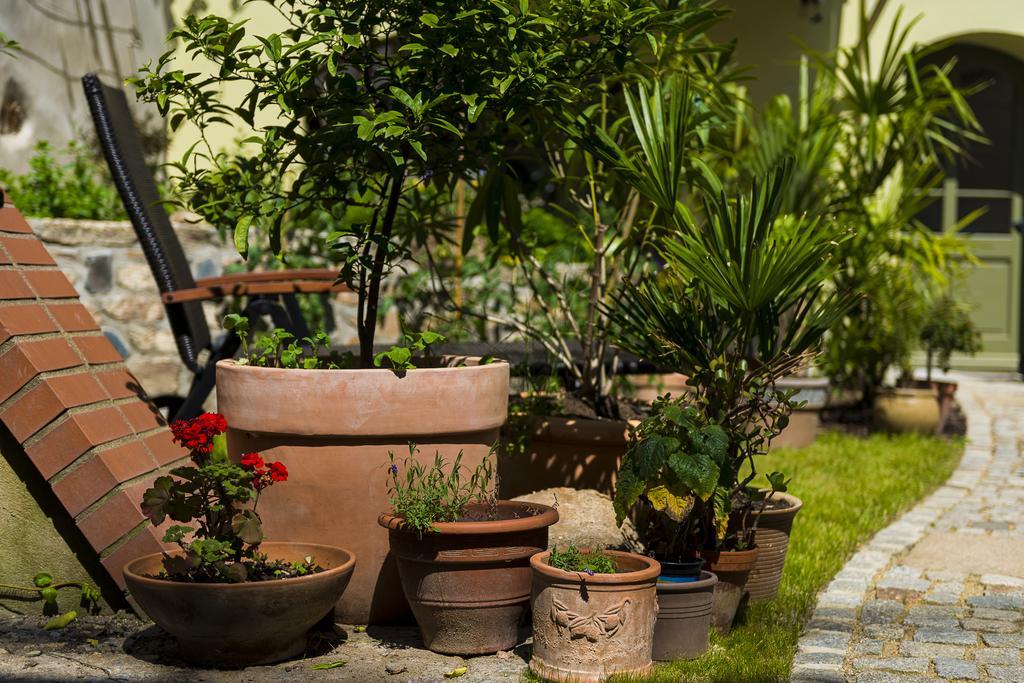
(907, 392)
(706, 580)
(130, 572)
(648, 573)
(546, 518)
(471, 363)
(794, 505)
(734, 555)
(582, 430)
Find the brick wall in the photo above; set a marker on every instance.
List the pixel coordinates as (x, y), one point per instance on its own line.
(68, 399)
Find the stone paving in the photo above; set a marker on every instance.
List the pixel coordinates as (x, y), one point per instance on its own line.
(939, 594)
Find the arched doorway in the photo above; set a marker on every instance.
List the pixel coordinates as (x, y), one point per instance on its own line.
(993, 177)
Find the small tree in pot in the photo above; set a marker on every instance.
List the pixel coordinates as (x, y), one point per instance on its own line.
(739, 305)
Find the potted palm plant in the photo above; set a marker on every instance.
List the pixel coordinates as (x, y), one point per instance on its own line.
(738, 306)
(229, 598)
(348, 111)
(463, 555)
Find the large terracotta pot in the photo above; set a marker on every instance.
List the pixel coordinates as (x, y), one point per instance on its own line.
(772, 539)
(561, 451)
(732, 567)
(907, 409)
(649, 387)
(469, 583)
(588, 628)
(684, 618)
(242, 624)
(946, 392)
(333, 429)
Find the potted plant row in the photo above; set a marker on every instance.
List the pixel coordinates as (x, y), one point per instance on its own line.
(229, 598)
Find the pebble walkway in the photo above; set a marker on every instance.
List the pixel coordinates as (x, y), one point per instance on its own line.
(939, 594)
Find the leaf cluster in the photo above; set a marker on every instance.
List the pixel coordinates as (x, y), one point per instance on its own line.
(423, 495)
(572, 559)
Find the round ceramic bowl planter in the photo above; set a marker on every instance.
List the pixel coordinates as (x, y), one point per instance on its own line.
(908, 409)
(333, 429)
(469, 583)
(235, 625)
(684, 617)
(772, 540)
(589, 628)
(732, 567)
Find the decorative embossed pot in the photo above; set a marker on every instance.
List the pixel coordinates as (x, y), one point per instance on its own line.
(469, 583)
(589, 628)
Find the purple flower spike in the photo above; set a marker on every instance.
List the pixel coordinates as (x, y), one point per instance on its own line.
(393, 469)
(589, 571)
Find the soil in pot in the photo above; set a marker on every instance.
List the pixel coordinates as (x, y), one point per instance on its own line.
(333, 429)
(732, 567)
(589, 628)
(243, 624)
(772, 539)
(684, 617)
(469, 583)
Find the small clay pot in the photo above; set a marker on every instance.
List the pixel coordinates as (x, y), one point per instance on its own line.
(772, 540)
(908, 409)
(589, 628)
(684, 617)
(233, 625)
(469, 583)
(732, 567)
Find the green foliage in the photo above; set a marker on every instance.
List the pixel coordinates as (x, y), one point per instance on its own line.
(46, 589)
(948, 329)
(425, 495)
(8, 46)
(399, 358)
(77, 185)
(447, 85)
(572, 559)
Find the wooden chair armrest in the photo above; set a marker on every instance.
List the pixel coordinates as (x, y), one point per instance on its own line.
(270, 276)
(213, 292)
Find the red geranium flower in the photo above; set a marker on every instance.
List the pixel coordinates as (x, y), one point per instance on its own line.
(252, 461)
(278, 472)
(197, 434)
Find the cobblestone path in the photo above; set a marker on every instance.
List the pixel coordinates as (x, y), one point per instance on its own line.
(939, 594)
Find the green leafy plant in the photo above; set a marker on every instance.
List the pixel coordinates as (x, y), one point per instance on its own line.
(360, 103)
(423, 495)
(77, 185)
(572, 559)
(948, 329)
(278, 348)
(46, 589)
(400, 357)
(8, 46)
(216, 500)
(739, 305)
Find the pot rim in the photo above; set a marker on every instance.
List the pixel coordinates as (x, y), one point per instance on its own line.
(706, 580)
(648, 573)
(546, 518)
(908, 392)
(735, 554)
(130, 572)
(795, 505)
(469, 363)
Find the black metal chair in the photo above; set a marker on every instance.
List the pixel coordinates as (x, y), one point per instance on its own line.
(267, 293)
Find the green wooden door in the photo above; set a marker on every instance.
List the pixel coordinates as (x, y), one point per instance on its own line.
(993, 179)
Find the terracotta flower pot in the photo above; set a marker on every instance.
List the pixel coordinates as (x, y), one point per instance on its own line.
(588, 628)
(562, 451)
(684, 618)
(732, 567)
(907, 409)
(333, 430)
(946, 392)
(772, 539)
(469, 583)
(243, 624)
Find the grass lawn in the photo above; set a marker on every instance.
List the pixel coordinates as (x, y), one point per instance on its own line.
(851, 487)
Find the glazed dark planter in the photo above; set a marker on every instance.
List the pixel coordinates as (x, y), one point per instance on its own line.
(684, 571)
(684, 617)
(235, 625)
(587, 629)
(469, 583)
(772, 539)
(732, 567)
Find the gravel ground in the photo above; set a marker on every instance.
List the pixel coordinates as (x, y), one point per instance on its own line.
(123, 647)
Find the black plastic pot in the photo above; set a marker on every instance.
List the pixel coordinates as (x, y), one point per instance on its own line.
(686, 571)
